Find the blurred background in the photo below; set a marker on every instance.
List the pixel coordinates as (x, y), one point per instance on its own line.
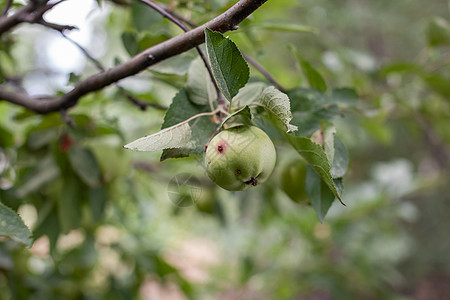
(109, 223)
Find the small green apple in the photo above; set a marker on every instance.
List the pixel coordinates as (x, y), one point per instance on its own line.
(240, 157)
(292, 179)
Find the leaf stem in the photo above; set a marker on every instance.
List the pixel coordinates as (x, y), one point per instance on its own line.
(211, 113)
(176, 19)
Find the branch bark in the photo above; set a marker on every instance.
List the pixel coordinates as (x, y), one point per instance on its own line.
(229, 20)
(164, 13)
(248, 58)
(31, 13)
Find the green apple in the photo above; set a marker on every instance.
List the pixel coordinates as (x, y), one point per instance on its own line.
(292, 179)
(240, 157)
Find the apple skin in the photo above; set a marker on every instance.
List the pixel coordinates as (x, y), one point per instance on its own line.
(292, 179)
(240, 157)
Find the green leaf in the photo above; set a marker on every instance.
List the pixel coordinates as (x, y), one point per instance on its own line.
(288, 27)
(45, 172)
(250, 93)
(175, 136)
(439, 84)
(148, 40)
(130, 42)
(6, 138)
(309, 100)
(339, 185)
(85, 165)
(74, 78)
(202, 128)
(228, 66)
(312, 75)
(278, 104)
(241, 117)
(340, 162)
(177, 65)
(309, 107)
(181, 109)
(48, 224)
(69, 204)
(378, 129)
(144, 17)
(400, 67)
(11, 225)
(317, 159)
(438, 32)
(40, 138)
(97, 200)
(199, 86)
(345, 97)
(328, 132)
(318, 193)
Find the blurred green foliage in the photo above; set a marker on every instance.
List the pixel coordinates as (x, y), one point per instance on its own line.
(104, 221)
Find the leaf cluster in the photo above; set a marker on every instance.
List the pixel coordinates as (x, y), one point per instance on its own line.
(303, 117)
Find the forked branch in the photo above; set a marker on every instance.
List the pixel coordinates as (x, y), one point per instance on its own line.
(174, 46)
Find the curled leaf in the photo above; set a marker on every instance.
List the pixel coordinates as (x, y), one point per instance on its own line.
(278, 104)
(240, 117)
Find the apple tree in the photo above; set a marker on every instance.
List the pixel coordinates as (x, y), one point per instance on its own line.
(183, 117)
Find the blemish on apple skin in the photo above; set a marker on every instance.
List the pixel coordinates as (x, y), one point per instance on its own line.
(253, 181)
(221, 148)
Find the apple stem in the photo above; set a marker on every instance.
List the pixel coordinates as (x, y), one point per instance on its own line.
(253, 181)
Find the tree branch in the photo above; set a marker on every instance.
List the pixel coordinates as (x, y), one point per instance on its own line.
(174, 46)
(31, 13)
(141, 104)
(263, 71)
(220, 100)
(249, 59)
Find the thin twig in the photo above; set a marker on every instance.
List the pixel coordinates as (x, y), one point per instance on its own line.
(263, 71)
(172, 47)
(249, 59)
(32, 13)
(180, 17)
(141, 104)
(67, 119)
(57, 27)
(166, 14)
(7, 7)
(86, 53)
